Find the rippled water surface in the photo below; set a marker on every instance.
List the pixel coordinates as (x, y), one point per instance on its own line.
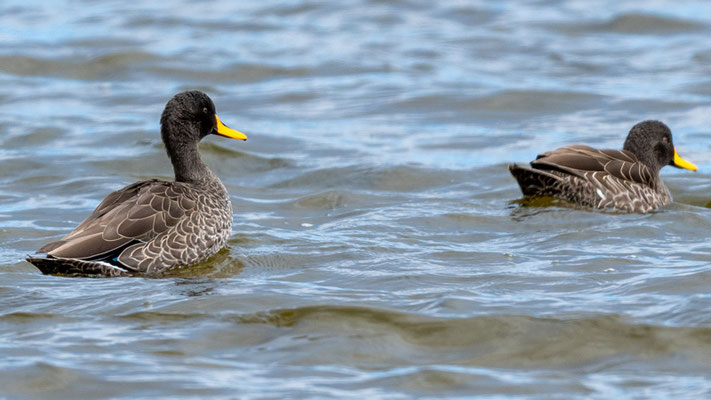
(379, 249)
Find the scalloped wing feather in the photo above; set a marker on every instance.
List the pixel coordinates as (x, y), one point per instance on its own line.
(577, 160)
(138, 212)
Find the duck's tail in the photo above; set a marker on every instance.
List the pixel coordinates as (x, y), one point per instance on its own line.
(535, 182)
(74, 267)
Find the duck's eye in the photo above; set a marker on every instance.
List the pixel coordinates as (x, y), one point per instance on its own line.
(665, 139)
(204, 110)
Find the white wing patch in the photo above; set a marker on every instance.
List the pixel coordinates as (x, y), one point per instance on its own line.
(599, 193)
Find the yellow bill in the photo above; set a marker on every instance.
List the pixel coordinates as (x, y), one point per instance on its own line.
(681, 163)
(224, 130)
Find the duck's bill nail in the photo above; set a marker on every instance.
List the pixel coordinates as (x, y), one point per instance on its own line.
(681, 163)
(224, 130)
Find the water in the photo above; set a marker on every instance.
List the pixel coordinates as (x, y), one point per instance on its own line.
(378, 249)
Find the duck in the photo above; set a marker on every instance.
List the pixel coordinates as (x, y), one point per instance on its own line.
(153, 226)
(624, 180)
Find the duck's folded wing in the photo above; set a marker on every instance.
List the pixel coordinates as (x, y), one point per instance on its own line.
(137, 212)
(581, 161)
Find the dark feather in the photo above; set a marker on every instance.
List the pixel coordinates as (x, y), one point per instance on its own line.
(74, 267)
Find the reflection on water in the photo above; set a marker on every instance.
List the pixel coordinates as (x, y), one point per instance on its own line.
(380, 247)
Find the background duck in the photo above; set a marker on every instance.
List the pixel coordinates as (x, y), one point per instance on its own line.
(153, 226)
(624, 180)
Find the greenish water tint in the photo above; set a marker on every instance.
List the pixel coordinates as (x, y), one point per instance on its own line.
(380, 249)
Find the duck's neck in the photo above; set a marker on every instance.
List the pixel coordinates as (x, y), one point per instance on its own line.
(187, 165)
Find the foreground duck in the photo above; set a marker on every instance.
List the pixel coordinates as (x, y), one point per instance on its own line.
(624, 180)
(152, 226)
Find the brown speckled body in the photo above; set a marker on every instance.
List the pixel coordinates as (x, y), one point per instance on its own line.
(204, 222)
(622, 184)
(156, 225)
(622, 180)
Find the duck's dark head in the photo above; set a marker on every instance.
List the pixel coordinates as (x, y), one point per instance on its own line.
(187, 118)
(190, 116)
(651, 142)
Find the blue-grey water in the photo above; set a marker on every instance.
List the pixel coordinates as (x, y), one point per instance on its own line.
(379, 250)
